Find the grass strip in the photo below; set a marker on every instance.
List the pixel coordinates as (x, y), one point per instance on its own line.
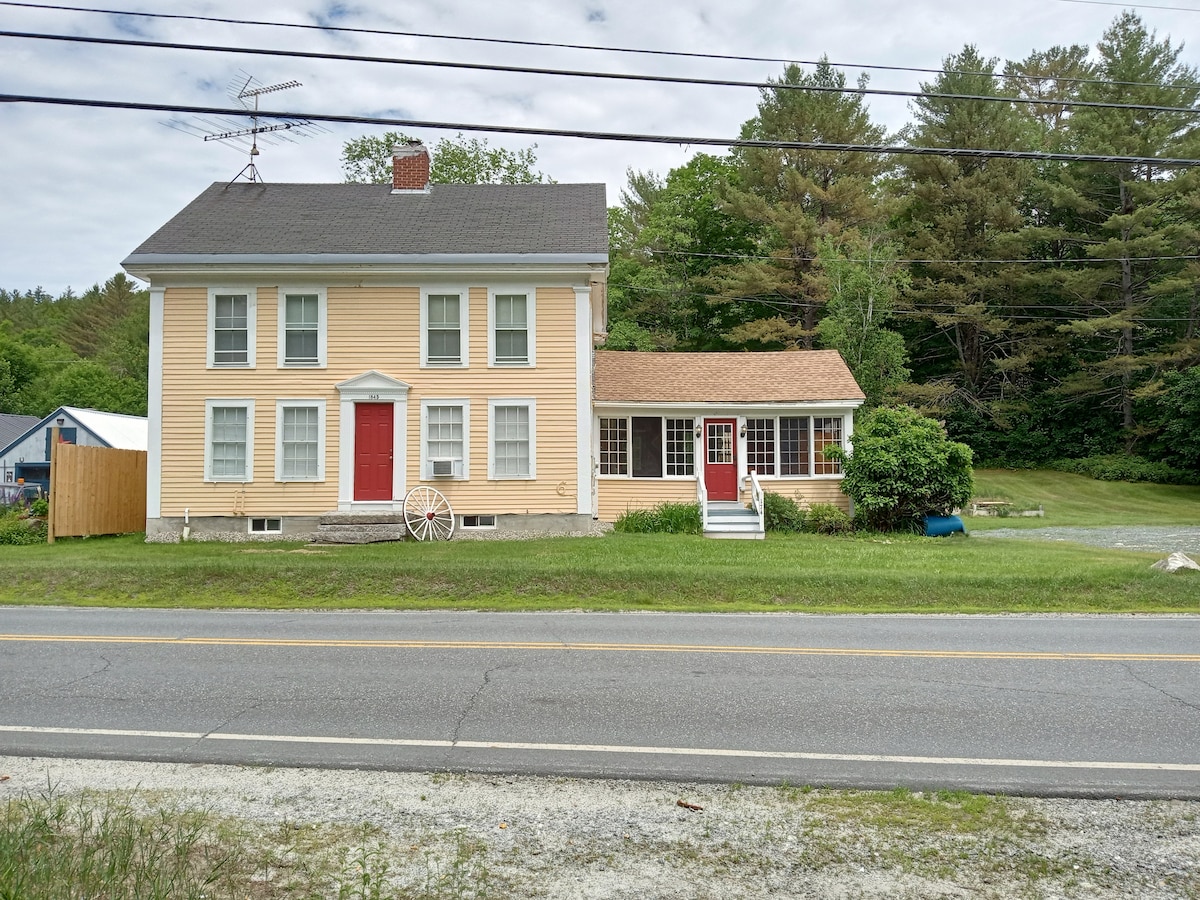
(801, 573)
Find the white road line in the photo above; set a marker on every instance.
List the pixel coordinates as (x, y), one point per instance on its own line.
(617, 749)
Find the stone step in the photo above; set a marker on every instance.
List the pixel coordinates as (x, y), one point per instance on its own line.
(361, 518)
(359, 533)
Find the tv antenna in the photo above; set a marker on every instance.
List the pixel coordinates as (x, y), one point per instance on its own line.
(245, 90)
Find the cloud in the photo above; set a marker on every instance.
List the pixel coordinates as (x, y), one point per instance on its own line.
(83, 187)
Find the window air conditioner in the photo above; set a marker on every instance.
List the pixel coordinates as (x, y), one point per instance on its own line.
(443, 468)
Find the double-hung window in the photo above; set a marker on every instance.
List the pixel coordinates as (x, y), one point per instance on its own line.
(300, 440)
(445, 425)
(444, 328)
(229, 440)
(302, 333)
(647, 447)
(231, 319)
(512, 438)
(511, 338)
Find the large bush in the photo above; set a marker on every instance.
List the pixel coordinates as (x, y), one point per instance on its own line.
(904, 467)
(782, 513)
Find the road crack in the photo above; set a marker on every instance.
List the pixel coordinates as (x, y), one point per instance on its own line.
(469, 706)
(100, 670)
(233, 718)
(1154, 687)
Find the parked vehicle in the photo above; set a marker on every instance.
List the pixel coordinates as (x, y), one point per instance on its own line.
(20, 494)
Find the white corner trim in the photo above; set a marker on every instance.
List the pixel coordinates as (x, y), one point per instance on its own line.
(585, 500)
(154, 395)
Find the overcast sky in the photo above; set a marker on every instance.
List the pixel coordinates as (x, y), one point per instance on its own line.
(82, 188)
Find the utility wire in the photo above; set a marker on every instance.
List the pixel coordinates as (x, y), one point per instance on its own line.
(612, 76)
(1133, 5)
(787, 304)
(1090, 259)
(626, 137)
(1062, 79)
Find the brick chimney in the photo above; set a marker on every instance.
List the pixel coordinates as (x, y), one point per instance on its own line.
(410, 168)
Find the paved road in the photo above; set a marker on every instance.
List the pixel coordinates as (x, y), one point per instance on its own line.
(1056, 705)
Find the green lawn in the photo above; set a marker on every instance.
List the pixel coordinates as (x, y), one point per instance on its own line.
(1078, 500)
(798, 573)
(802, 573)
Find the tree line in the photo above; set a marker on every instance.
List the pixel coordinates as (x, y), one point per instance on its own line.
(89, 350)
(1041, 309)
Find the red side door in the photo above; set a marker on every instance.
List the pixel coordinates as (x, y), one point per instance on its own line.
(373, 451)
(720, 459)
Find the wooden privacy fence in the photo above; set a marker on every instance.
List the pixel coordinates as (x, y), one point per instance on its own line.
(96, 490)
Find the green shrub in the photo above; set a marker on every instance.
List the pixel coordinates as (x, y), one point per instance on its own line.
(666, 518)
(1116, 467)
(825, 518)
(782, 513)
(39, 507)
(903, 468)
(679, 518)
(15, 529)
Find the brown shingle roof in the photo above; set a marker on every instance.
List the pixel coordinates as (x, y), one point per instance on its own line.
(795, 376)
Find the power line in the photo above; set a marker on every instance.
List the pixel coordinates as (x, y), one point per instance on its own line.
(625, 137)
(787, 304)
(1090, 259)
(1062, 79)
(1133, 5)
(611, 76)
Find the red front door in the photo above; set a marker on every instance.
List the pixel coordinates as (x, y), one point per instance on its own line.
(373, 451)
(720, 459)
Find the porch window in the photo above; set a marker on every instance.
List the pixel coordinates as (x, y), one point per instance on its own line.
(646, 446)
(681, 447)
(614, 446)
(760, 446)
(827, 432)
(793, 446)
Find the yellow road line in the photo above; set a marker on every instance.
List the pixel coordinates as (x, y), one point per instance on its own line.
(602, 647)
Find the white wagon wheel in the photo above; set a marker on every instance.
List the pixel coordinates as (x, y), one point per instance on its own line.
(428, 515)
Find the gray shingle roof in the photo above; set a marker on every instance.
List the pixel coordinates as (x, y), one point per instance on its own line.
(13, 426)
(246, 218)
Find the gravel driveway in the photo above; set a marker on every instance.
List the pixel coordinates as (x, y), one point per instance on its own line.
(1149, 538)
(474, 836)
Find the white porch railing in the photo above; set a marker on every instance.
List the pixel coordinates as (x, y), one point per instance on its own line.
(756, 496)
(702, 496)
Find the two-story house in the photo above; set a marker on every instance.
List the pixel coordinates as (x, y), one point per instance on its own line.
(342, 348)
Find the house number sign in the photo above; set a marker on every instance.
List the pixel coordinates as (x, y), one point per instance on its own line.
(372, 396)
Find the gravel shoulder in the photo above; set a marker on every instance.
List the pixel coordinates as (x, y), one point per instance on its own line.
(1164, 539)
(441, 835)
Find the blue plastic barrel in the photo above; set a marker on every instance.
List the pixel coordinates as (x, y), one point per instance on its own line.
(940, 526)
